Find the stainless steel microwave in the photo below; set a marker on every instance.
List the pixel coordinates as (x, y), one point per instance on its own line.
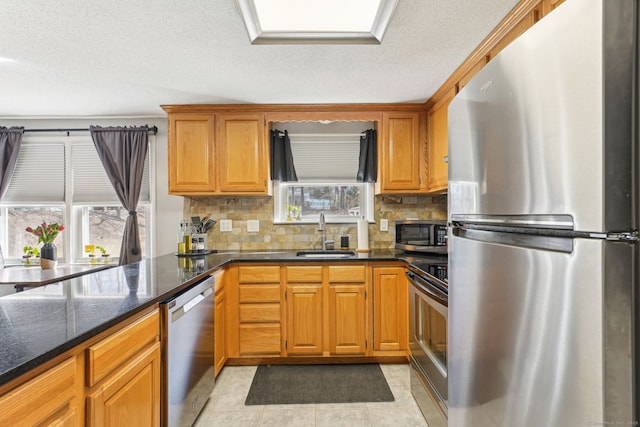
(429, 236)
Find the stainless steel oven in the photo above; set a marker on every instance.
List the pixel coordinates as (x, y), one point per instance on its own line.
(428, 309)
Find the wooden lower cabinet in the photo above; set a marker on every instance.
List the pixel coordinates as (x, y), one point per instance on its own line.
(124, 375)
(326, 310)
(390, 310)
(220, 320)
(113, 379)
(49, 399)
(129, 396)
(259, 312)
(347, 319)
(220, 351)
(304, 320)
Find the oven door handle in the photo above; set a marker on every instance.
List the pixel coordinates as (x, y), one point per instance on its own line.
(427, 287)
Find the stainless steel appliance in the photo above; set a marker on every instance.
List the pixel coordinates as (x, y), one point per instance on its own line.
(427, 236)
(543, 203)
(188, 360)
(428, 312)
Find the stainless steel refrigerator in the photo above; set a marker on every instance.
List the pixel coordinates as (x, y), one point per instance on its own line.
(543, 208)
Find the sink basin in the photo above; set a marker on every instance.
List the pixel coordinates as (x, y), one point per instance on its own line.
(326, 254)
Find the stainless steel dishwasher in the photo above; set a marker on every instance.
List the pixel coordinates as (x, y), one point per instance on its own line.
(188, 344)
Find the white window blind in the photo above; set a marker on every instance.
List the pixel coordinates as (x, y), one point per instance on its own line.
(326, 156)
(90, 181)
(39, 175)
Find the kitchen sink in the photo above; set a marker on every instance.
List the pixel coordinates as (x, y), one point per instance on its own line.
(326, 254)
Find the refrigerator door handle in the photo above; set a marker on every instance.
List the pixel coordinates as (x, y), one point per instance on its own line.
(625, 236)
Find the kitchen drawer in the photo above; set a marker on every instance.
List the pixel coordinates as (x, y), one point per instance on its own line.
(304, 274)
(111, 352)
(347, 273)
(259, 312)
(41, 398)
(259, 274)
(260, 339)
(259, 293)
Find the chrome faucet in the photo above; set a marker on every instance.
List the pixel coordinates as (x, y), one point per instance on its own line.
(322, 227)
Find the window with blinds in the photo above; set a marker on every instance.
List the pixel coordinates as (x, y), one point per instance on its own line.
(61, 179)
(326, 157)
(326, 165)
(39, 176)
(90, 183)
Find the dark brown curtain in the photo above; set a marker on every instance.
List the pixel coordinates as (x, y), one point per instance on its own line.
(368, 165)
(10, 141)
(282, 168)
(122, 151)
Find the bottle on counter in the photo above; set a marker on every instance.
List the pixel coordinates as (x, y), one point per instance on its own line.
(187, 238)
(344, 241)
(181, 245)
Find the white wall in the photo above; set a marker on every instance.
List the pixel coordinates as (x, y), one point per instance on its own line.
(168, 210)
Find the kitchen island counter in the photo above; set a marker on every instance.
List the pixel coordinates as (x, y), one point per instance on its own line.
(40, 323)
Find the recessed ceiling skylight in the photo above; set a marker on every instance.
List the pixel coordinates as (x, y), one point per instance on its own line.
(316, 21)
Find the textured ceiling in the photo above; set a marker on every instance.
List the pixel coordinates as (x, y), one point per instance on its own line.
(125, 58)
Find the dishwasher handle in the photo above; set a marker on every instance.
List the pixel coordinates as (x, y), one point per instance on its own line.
(177, 313)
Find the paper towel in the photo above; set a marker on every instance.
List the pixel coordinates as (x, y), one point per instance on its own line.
(363, 235)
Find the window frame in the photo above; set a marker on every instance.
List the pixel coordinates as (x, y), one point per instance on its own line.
(72, 212)
(280, 202)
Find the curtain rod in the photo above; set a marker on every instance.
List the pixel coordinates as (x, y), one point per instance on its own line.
(152, 129)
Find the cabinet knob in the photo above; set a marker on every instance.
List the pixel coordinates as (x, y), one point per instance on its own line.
(445, 159)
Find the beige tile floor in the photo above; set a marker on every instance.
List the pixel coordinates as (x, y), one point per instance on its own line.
(226, 405)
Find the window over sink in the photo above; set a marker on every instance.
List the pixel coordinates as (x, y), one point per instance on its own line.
(326, 159)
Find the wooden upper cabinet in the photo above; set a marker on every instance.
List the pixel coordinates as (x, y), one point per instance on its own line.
(549, 5)
(218, 154)
(242, 154)
(471, 73)
(399, 154)
(437, 147)
(523, 25)
(191, 153)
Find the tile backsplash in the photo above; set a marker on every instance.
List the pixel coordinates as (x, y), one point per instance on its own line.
(297, 236)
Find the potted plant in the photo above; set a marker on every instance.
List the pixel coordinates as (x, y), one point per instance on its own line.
(105, 254)
(46, 234)
(29, 251)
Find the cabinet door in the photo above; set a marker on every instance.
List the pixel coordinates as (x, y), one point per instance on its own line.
(131, 395)
(390, 315)
(242, 154)
(437, 172)
(47, 399)
(304, 319)
(220, 351)
(399, 153)
(347, 319)
(191, 154)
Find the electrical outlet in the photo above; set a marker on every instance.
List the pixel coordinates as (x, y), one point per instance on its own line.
(226, 225)
(253, 226)
(384, 224)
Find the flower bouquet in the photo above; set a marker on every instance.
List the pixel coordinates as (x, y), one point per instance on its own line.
(46, 234)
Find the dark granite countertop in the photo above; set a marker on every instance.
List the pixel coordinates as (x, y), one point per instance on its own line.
(41, 323)
(36, 276)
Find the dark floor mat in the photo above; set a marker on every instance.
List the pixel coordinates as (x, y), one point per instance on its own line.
(293, 384)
